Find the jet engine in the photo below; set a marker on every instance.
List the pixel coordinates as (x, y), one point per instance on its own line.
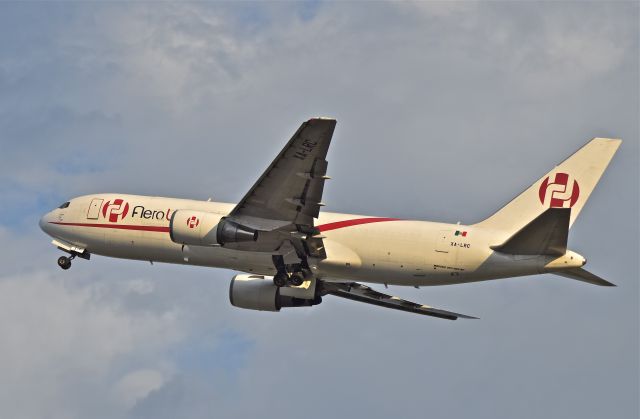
(197, 228)
(256, 292)
(201, 228)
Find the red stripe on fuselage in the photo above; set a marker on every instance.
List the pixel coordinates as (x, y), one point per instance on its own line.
(157, 229)
(348, 223)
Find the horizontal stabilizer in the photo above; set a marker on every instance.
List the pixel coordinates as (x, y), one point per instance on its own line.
(358, 292)
(584, 276)
(545, 235)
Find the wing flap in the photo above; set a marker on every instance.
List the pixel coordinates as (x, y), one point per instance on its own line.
(358, 292)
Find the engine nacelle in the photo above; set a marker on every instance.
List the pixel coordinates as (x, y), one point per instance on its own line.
(256, 292)
(196, 228)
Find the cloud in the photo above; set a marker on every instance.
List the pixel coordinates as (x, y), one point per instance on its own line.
(441, 9)
(137, 385)
(61, 341)
(445, 111)
(568, 53)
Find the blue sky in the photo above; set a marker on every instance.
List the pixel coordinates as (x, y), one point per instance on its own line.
(445, 112)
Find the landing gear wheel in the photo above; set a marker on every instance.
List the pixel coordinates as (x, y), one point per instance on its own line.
(280, 279)
(296, 279)
(64, 262)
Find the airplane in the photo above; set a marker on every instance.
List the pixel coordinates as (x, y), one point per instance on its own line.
(292, 254)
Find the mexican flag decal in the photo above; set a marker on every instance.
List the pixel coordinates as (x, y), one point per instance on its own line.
(461, 233)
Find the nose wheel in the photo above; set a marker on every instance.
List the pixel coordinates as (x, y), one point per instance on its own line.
(64, 262)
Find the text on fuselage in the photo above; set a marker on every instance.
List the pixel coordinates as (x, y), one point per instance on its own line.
(462, 245)
(141, 212)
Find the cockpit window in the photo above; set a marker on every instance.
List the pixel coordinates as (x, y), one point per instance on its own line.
(65, 205)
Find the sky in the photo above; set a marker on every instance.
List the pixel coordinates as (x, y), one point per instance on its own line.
(445, 112)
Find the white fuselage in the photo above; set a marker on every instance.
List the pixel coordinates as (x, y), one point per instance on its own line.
(370, 249)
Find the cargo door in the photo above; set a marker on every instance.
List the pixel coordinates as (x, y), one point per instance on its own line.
(94, 209)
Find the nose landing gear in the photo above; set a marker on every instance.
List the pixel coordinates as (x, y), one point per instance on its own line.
(65, 262)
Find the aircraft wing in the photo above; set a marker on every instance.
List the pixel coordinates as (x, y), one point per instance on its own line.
(358, 292)
(291, 187)
(284, 201)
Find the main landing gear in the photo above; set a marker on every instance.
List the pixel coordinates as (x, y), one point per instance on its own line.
(284, 277)
(65, 261)
(280, 279)
(295, 279)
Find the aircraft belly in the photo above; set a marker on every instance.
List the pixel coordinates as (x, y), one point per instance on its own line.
(80, 236)
(157, 247)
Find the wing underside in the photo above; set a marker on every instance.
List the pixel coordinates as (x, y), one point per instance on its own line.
(285, 200)
(291, 187)
(584, 276)
(358, 292)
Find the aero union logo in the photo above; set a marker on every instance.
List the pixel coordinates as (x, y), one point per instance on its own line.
(115, 210)
(193, 221)
(562, 192)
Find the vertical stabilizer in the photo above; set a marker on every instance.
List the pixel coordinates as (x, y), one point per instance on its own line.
(568, 185)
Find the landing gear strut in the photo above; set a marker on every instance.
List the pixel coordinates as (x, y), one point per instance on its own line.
(281, 277)
(65, 262)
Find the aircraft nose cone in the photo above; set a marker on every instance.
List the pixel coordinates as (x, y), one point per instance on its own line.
(44, 223)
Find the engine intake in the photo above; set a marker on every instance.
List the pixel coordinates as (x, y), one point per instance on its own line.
(256, 292)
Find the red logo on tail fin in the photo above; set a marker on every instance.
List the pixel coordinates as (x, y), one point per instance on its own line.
(560, 193)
